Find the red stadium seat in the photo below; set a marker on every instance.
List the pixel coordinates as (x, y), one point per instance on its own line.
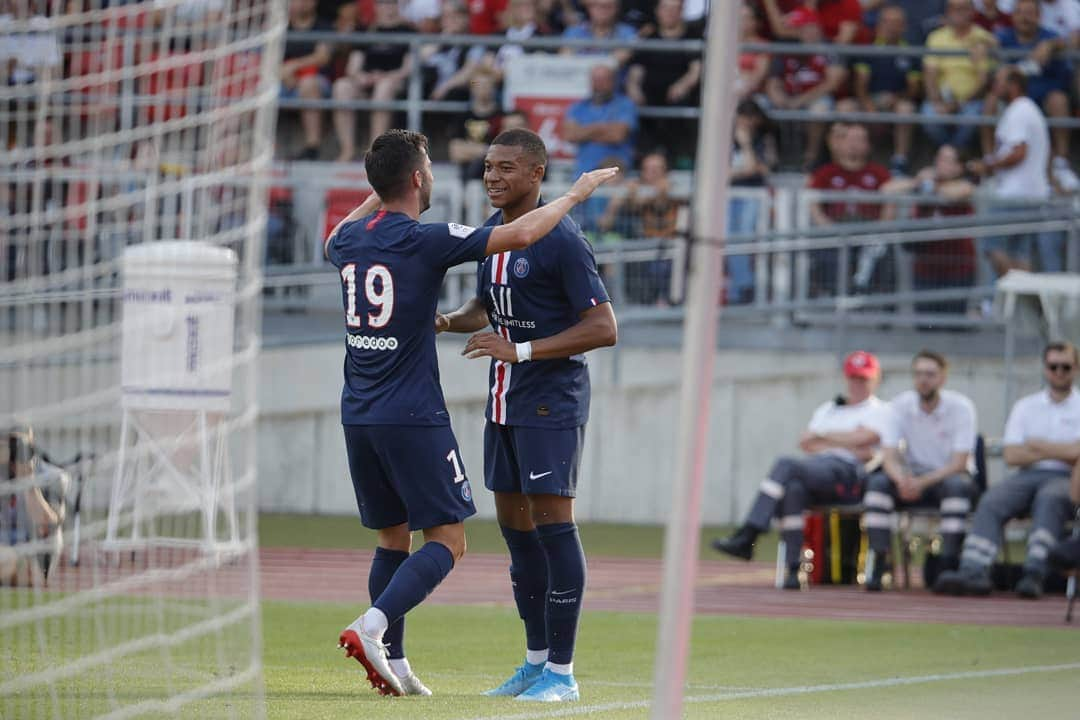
(237, 75)
(339, 203)
(174, 83)
(99, 97)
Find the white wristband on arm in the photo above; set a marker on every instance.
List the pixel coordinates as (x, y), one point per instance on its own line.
(524, 351)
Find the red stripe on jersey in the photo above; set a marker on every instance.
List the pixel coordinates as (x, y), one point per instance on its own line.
(375, 220)
(497, 408)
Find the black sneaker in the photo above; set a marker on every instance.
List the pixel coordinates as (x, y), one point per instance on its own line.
(963, 582)
(874, 579)
(740, 545)
(1066, 555)
(308, 154)
(1030, 586)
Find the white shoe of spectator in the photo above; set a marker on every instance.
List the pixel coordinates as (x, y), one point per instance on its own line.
(1066, 179)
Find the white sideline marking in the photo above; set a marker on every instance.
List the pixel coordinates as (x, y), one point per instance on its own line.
(571, 709)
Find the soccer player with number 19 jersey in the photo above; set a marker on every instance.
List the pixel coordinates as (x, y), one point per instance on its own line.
(405, 465)
(548, 307)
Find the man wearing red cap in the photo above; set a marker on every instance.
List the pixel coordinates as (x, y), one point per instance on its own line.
(842, 436)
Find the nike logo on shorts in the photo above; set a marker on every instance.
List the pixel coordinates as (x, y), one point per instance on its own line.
(534, 476)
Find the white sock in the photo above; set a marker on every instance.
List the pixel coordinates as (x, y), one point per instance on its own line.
(400, 666)
(567, 669)
(536, 657)
(374, 623)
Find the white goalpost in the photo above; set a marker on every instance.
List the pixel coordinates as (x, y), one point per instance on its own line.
(711, 174)
(138, 139)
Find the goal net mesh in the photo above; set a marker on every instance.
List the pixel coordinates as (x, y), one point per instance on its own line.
(128, 546)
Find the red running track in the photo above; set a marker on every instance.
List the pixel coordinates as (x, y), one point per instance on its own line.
(633, 585)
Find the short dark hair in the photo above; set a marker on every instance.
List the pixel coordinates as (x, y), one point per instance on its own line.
(931, 355)
(1015, 75)
(393, 158)
(1061, 346)
(530, 143)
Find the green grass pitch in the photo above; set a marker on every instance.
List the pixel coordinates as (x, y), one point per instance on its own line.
(740, 667)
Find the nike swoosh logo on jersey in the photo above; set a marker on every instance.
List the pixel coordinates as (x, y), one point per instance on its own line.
(534, 476)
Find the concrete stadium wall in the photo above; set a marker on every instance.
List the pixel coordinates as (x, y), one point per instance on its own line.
(761, 401)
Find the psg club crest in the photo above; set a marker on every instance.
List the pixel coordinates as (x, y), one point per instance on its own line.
(521, 267)
(466, 491)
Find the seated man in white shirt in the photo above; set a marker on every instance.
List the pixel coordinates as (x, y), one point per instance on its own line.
(937, 429)
(1042, 438)
(842, 436)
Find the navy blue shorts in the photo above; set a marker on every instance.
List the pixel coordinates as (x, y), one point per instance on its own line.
(408, 474)
(532, 461)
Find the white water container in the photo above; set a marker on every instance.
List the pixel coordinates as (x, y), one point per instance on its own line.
(177, 348)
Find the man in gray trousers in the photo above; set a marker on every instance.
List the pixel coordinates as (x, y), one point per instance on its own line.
(927, 463)
(1042, 439)
(842, 435)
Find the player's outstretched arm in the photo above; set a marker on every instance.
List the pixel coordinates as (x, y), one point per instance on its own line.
(470, 317)
(596, 328)
(371, 204)
(535, 224)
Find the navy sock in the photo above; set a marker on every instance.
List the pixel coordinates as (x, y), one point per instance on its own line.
(529, 577)
(383, 566)
(566, 586)
(414, 580)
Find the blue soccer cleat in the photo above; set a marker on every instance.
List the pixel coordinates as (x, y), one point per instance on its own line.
(519, 682)
(552, 687)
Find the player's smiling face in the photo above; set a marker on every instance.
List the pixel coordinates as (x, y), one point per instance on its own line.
(427, 181)
(509, 175)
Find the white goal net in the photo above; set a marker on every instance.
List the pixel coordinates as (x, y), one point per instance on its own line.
(137, 139)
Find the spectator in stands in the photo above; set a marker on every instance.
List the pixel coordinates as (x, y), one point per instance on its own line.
(603, 24)
(923, 17)
(448, 69)
(602, 125)
(753, 157)
(521, 24)
(850, 171)
(771, 14)
(841, 20)
(423, 15)
(302, 73)
(25, 515)
(1049, 79)
(379, 72)
(927, 462)
(890, 83)
(990, 17)
(1042, 440)
(940, 264)
(661, 79)
(555, 16)
(478, 128)
(843, 435)
(955, 85)
(1061, 17)
(486, 17)
(1019, 165)
(753, 66)
(27, 56)
(808, 82)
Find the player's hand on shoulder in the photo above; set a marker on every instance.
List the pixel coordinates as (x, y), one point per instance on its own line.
(442, 323)
(588, 182)
(488, 344)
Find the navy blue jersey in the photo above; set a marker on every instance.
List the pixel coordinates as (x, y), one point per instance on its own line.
(531, 294)
(391, 269)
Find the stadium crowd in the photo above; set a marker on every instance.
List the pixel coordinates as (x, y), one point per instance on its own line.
(616, 122)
